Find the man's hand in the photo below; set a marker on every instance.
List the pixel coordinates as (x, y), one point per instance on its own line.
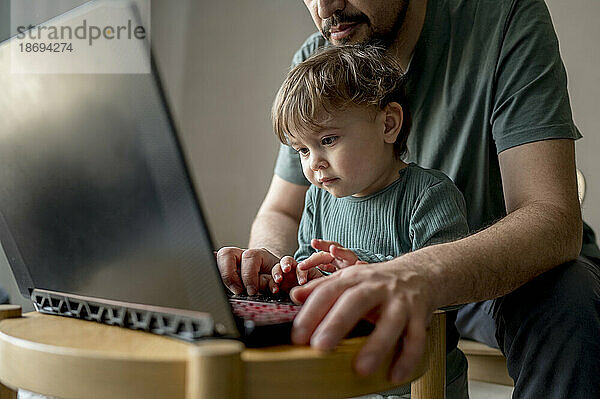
(398, 301)
(249, 268)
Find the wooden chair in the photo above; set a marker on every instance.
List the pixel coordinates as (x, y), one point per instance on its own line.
(485, 364)
(489, 364)
(71, 358)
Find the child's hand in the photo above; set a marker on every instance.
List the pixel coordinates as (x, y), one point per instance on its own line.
(331, 258)
(285, 275)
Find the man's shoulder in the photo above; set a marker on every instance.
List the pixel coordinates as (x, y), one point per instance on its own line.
(484, 6)
(487, 10)
(309, 47)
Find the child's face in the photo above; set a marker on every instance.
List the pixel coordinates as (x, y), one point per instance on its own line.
(353, 154)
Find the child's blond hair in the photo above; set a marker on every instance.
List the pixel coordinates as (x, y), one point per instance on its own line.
(332, 80)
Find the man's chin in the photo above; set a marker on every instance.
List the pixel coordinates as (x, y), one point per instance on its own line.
(362, 39)
(354, 39)
(357, 37)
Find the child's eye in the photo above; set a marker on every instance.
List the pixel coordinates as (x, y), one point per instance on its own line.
(302, 151)
(328, 140)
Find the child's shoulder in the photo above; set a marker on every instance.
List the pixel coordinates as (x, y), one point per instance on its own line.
(421, 178)
(432, 176)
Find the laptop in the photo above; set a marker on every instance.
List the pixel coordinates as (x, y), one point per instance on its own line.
(99, 218)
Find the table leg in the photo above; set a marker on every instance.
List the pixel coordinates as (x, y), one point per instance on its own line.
(432, 384)
(8, 312)
(215, 370)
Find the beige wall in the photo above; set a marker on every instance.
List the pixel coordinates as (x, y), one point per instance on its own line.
(235, 55)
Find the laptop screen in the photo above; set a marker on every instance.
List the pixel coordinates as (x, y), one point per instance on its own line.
(95, 198)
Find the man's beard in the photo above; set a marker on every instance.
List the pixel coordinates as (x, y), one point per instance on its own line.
(383, 39)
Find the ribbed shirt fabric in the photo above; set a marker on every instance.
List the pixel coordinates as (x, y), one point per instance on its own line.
(421, 208)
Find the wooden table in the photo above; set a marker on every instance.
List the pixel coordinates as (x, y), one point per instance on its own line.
(71, 358)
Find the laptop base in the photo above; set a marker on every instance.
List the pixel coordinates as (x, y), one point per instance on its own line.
(185, 325)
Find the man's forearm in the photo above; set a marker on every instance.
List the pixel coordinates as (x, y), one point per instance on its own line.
(499, 259)
(276, 232)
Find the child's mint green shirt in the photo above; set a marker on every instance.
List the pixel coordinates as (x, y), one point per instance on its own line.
(421, 208)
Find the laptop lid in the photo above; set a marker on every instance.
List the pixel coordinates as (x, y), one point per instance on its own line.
(95, 196)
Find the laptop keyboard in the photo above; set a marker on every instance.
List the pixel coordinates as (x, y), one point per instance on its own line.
(263, 298)
(264, 310)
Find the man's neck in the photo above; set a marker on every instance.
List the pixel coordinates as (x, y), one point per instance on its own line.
(404, 45)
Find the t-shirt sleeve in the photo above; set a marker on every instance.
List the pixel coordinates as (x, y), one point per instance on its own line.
(306, 229)
(288, 165)
(439, 216)
(531, 100)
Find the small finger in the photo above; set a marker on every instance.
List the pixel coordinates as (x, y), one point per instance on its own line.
(315, 260)
(345, 254)
(277, 273)
(287, 262)
(273, 286)
(322, 245)
(301, 276)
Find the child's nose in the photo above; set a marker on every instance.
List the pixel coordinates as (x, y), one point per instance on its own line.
(317, 163)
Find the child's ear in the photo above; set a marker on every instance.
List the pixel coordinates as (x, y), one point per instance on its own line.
(393, 122)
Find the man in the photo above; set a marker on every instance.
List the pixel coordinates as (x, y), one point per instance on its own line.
(490, 108)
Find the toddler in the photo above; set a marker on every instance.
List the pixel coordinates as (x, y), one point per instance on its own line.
(344, 112)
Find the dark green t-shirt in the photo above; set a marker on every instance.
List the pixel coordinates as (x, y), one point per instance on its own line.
(486, 75)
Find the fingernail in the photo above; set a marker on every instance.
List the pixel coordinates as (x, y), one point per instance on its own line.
(278, 278)
(275, 289)
(251, 290)
(366, 364)
(302, 280)
(286, 268)
(237, 290)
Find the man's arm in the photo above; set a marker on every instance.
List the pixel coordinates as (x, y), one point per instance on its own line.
(542, 230)
(543, 227)
(276, 224)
